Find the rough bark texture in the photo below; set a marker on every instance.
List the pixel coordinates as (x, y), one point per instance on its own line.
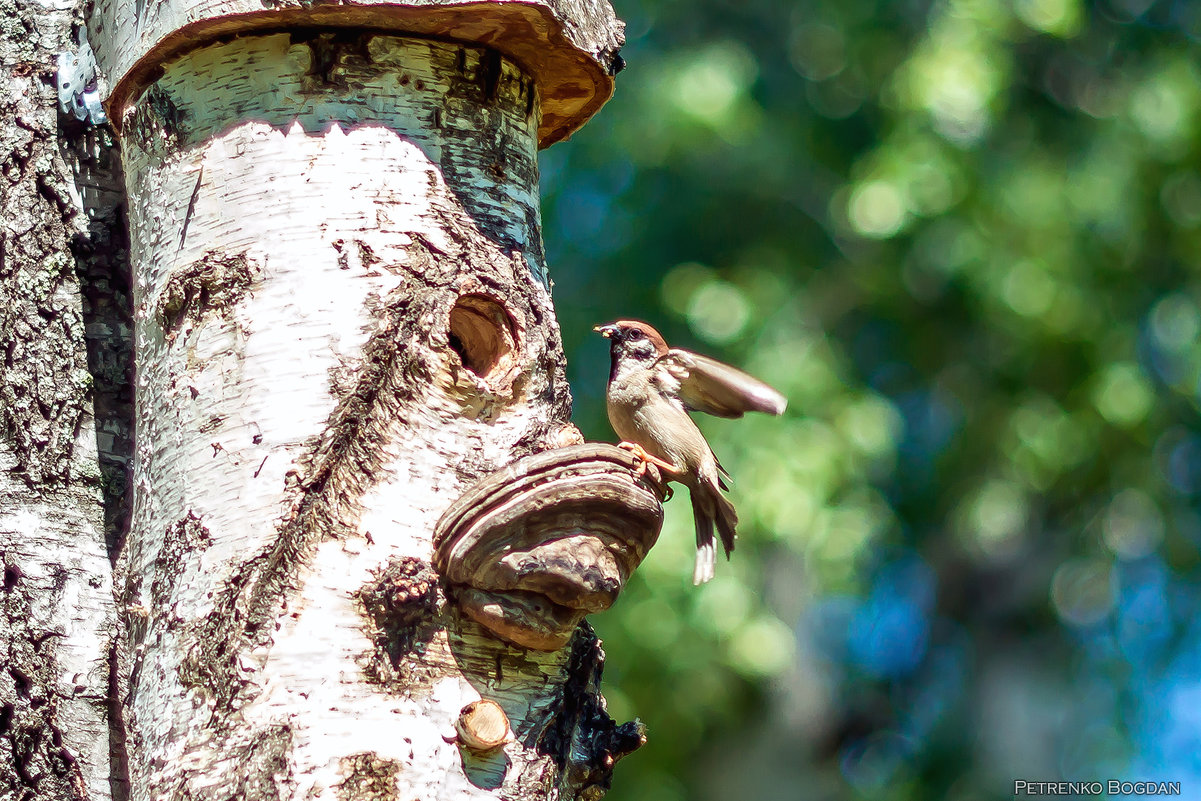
(342, 321)
(56, 617)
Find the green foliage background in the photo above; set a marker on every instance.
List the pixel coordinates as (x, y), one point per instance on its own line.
(963, 237)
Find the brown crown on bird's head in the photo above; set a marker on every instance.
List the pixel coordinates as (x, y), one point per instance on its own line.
(635, 335)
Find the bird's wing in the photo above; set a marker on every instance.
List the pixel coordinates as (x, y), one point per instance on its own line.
(707, 385)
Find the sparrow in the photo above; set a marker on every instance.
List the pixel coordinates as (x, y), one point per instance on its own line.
(651, 390)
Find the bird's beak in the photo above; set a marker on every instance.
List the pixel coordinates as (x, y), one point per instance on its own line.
(605, 331)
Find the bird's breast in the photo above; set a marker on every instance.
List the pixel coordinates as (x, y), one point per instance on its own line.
(639, 413)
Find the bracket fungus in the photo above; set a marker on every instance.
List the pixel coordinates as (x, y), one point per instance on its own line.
(531, 549)
(569, 47)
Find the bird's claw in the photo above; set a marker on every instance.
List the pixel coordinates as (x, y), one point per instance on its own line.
(645, 460)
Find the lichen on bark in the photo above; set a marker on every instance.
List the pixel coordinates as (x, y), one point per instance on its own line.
(44, 378)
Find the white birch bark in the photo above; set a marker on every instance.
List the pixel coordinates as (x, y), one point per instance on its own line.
(342, 321)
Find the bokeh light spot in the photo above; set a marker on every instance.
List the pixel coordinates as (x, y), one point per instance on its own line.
(877, 209)
(888, 636)
(1028, 289)
(719, 312)
(817, 51)
(1082, 592)
(682, 282)
(1156, 110)
(954, 75)
(995, 519)
(1175, 322)
(724, 606)
(1181, 198)
(1132, 526)
(764, 647)
(872, 425)
(1123, 395)
(1057, 17)
(708, 85)
(870, 765)
(655, 623)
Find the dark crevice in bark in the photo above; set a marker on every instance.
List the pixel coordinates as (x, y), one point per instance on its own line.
(101, 254)
(45, 393)
(118, 755)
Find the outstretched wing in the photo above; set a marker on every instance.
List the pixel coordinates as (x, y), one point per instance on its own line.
(707, 385)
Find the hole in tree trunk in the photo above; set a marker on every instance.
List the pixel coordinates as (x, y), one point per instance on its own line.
(484, 336)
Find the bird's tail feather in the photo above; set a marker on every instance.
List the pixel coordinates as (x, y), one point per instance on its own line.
(710, 508)
(706, 548)
(727, 521)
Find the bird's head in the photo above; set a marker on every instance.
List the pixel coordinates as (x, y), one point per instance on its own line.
(633, 341)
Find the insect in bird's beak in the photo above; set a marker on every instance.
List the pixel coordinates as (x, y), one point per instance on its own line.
(606, 331)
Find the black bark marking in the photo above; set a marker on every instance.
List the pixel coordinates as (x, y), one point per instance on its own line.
(335, 55)
(583, 740)
(489, 73)
(213, 284)
(157, 119)
(187, 218)
(12, 574)
(369, 777)
(400, 603)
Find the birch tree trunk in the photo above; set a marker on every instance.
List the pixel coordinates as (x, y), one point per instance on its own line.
(342, 322)
(61, 429)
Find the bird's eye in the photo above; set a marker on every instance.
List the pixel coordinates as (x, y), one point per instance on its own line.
(635, 333)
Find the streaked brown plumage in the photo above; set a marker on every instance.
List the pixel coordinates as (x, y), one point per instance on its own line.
(651, 390)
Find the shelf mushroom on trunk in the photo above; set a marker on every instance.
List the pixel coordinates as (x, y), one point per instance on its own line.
(534, 547)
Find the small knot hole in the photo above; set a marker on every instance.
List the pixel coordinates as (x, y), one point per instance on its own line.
(483, 335)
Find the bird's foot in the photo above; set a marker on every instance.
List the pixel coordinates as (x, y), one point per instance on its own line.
(645, 460)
